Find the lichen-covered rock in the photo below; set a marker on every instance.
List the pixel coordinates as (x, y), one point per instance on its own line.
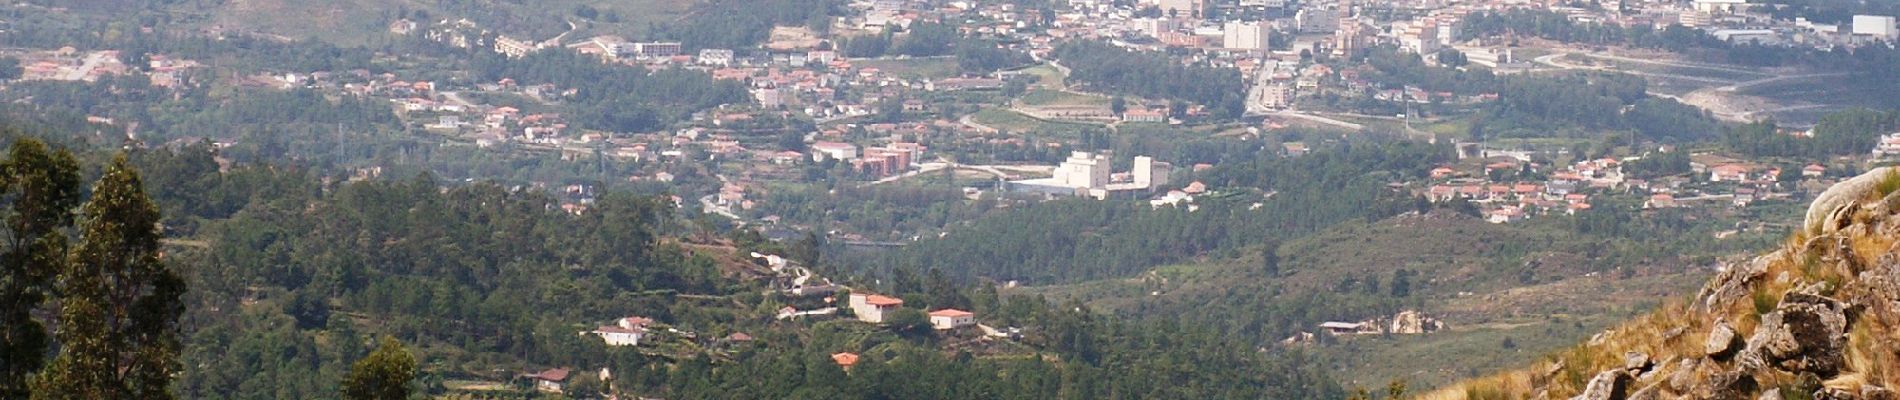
(1734, 283)
(1607, 385)
(1636, 362)
(1722, 342)
(1683, 379)
(1726, 385)
(1806, 333)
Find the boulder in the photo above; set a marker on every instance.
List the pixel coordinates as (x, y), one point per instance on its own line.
(1842, 195)
(1726, 385)
(1806, 333)
(1636, 362)
(1722, 342)
(1683, 379)
(1607, 385)
(1769, 395)
(1733, 283)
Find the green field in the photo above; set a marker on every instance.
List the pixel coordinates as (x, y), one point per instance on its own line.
(1012, 121)
(915, 68)
(1049, 97)
(1047, 76)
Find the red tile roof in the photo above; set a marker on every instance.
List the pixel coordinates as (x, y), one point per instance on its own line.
(951, 312)
(879, 300)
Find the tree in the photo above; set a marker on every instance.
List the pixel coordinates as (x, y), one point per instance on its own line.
(382, 375)
(43, 186)
(909, 321)
(119, 303)
(10, 68)
(1270, 259)
(1118, 105)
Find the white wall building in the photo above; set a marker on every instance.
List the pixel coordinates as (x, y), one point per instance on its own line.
(1246, 36)
(1879, 26)
(874, 308)
(624, 332)
(951, 318)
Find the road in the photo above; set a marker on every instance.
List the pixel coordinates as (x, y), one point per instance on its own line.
(970, 121)
(1758, 82)
(1551, 60)
(92, 62)
(930, 167)
(1316, 118)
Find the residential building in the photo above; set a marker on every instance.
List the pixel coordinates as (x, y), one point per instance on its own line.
(719, 57)
(1728, 173)
(656, 49)
(549, 381)
(624, 332)
(514, 48)
(1246, 36)
(874, 308)
(1150, 173)
(1144, 116)
(1888, 145)
(951, 318)
(1278, 95)
(833, 150)
(1720, 6)
(1181, 8)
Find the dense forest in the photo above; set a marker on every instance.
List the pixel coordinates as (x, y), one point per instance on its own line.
(1842, 133)
(1113, 69)
(1579, 104)
(744, 24)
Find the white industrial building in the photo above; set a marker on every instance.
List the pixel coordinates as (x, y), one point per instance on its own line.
(1088, 174)
(1877, 26)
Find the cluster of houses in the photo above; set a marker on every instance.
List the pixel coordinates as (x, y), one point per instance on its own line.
(1500, 188)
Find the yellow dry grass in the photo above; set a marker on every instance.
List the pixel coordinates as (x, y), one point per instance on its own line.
(1809, 257)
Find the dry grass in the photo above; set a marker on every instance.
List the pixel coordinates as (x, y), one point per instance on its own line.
(1834, 258)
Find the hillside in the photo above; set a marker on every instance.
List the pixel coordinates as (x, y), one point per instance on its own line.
(1813, 319)
(366, 22)
(1538, 286)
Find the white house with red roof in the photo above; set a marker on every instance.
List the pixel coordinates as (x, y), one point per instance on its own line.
(951, 318)
(874, 308)
(624, 332)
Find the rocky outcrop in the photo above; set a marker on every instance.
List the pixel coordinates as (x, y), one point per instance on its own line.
(1805, 333)
(1819, 318)
(1823, 211)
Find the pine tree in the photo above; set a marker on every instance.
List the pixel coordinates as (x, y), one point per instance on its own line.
(43, 188)
(383, 375)
(119, 303)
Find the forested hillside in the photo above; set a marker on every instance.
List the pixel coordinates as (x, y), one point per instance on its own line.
(292, 275)
(1077, 240)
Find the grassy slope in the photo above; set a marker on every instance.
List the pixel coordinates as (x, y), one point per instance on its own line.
(1841, 259)
(1562, 303)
